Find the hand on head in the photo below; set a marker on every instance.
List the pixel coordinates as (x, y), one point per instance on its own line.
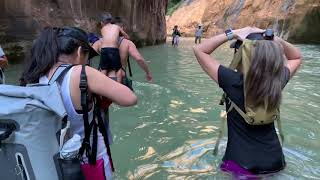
(242, 33)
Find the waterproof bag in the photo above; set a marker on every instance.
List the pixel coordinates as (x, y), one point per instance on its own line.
(15, 163)
(68, 168)
(27, 148)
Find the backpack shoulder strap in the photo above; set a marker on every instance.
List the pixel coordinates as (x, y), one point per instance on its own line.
(242, 114)
(280, 129)
(237, 57)
(249, 120)
(91, 151)
(88, 127)
(60, 72)
(104, 132)
(223, 116)
(129, 67)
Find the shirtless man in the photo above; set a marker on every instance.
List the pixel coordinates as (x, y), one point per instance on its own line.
(126, 48)
(110, 62)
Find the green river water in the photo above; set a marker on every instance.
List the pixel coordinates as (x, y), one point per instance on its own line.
(171, 132)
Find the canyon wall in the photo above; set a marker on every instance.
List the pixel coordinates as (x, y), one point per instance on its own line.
(21, 20)
(295, 20)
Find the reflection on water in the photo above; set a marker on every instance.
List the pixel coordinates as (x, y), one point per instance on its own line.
(182, 162)
(172, 131)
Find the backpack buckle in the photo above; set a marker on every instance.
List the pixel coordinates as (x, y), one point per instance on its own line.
(83, 85)
(274, 117)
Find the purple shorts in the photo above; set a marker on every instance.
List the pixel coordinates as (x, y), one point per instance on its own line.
(237, 171)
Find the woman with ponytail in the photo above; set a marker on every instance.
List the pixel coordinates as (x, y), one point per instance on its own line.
(69, 45)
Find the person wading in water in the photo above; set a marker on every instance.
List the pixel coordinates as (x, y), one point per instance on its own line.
(127, 47)
(251, 149)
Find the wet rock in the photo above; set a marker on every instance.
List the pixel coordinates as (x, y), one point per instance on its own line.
(16, 51)
(308, 30)
(21, 20)
(295, 20)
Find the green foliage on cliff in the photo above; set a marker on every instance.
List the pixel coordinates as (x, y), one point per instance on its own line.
(173, 5)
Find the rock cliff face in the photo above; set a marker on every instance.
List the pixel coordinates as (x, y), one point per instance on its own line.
(295, 20)
(21, 19)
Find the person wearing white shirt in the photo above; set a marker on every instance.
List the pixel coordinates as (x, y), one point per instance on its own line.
(198, 34)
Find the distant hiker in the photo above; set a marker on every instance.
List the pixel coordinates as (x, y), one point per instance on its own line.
(198, 34)
(108, 47)
(58, 47)
(176, 36)
(127, 47)
(172, 35)
(3, 65)
(253, 86)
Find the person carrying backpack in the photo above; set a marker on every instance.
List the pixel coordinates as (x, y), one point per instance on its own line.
(253, 88)
(58, 47)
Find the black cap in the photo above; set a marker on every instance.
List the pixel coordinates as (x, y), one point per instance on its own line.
(106, 18)
(255, 36)
(252, 36)
(79, 34)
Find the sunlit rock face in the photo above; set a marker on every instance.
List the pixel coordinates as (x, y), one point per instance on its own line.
(295, 20)
(21, 20)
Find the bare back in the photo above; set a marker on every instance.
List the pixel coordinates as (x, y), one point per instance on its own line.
(124, 52)
(110, 35)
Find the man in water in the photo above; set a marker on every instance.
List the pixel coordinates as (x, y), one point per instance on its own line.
(176, 36)
(172, 37)
(198, 34)
(3, 64)
(127, 48)
(110, 62)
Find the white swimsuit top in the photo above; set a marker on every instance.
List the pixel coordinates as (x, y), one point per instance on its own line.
(76, 120)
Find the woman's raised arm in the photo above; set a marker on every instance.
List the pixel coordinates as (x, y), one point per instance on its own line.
(102, 85)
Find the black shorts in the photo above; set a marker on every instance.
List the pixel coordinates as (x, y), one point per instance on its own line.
(110, 59)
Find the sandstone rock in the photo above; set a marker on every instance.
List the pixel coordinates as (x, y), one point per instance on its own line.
(295, 20)
(21, 20)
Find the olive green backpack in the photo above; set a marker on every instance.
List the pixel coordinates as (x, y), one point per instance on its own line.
(255, 116)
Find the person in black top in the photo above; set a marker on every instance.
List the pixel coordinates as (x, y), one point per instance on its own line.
(251, 150)
(175, 36)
